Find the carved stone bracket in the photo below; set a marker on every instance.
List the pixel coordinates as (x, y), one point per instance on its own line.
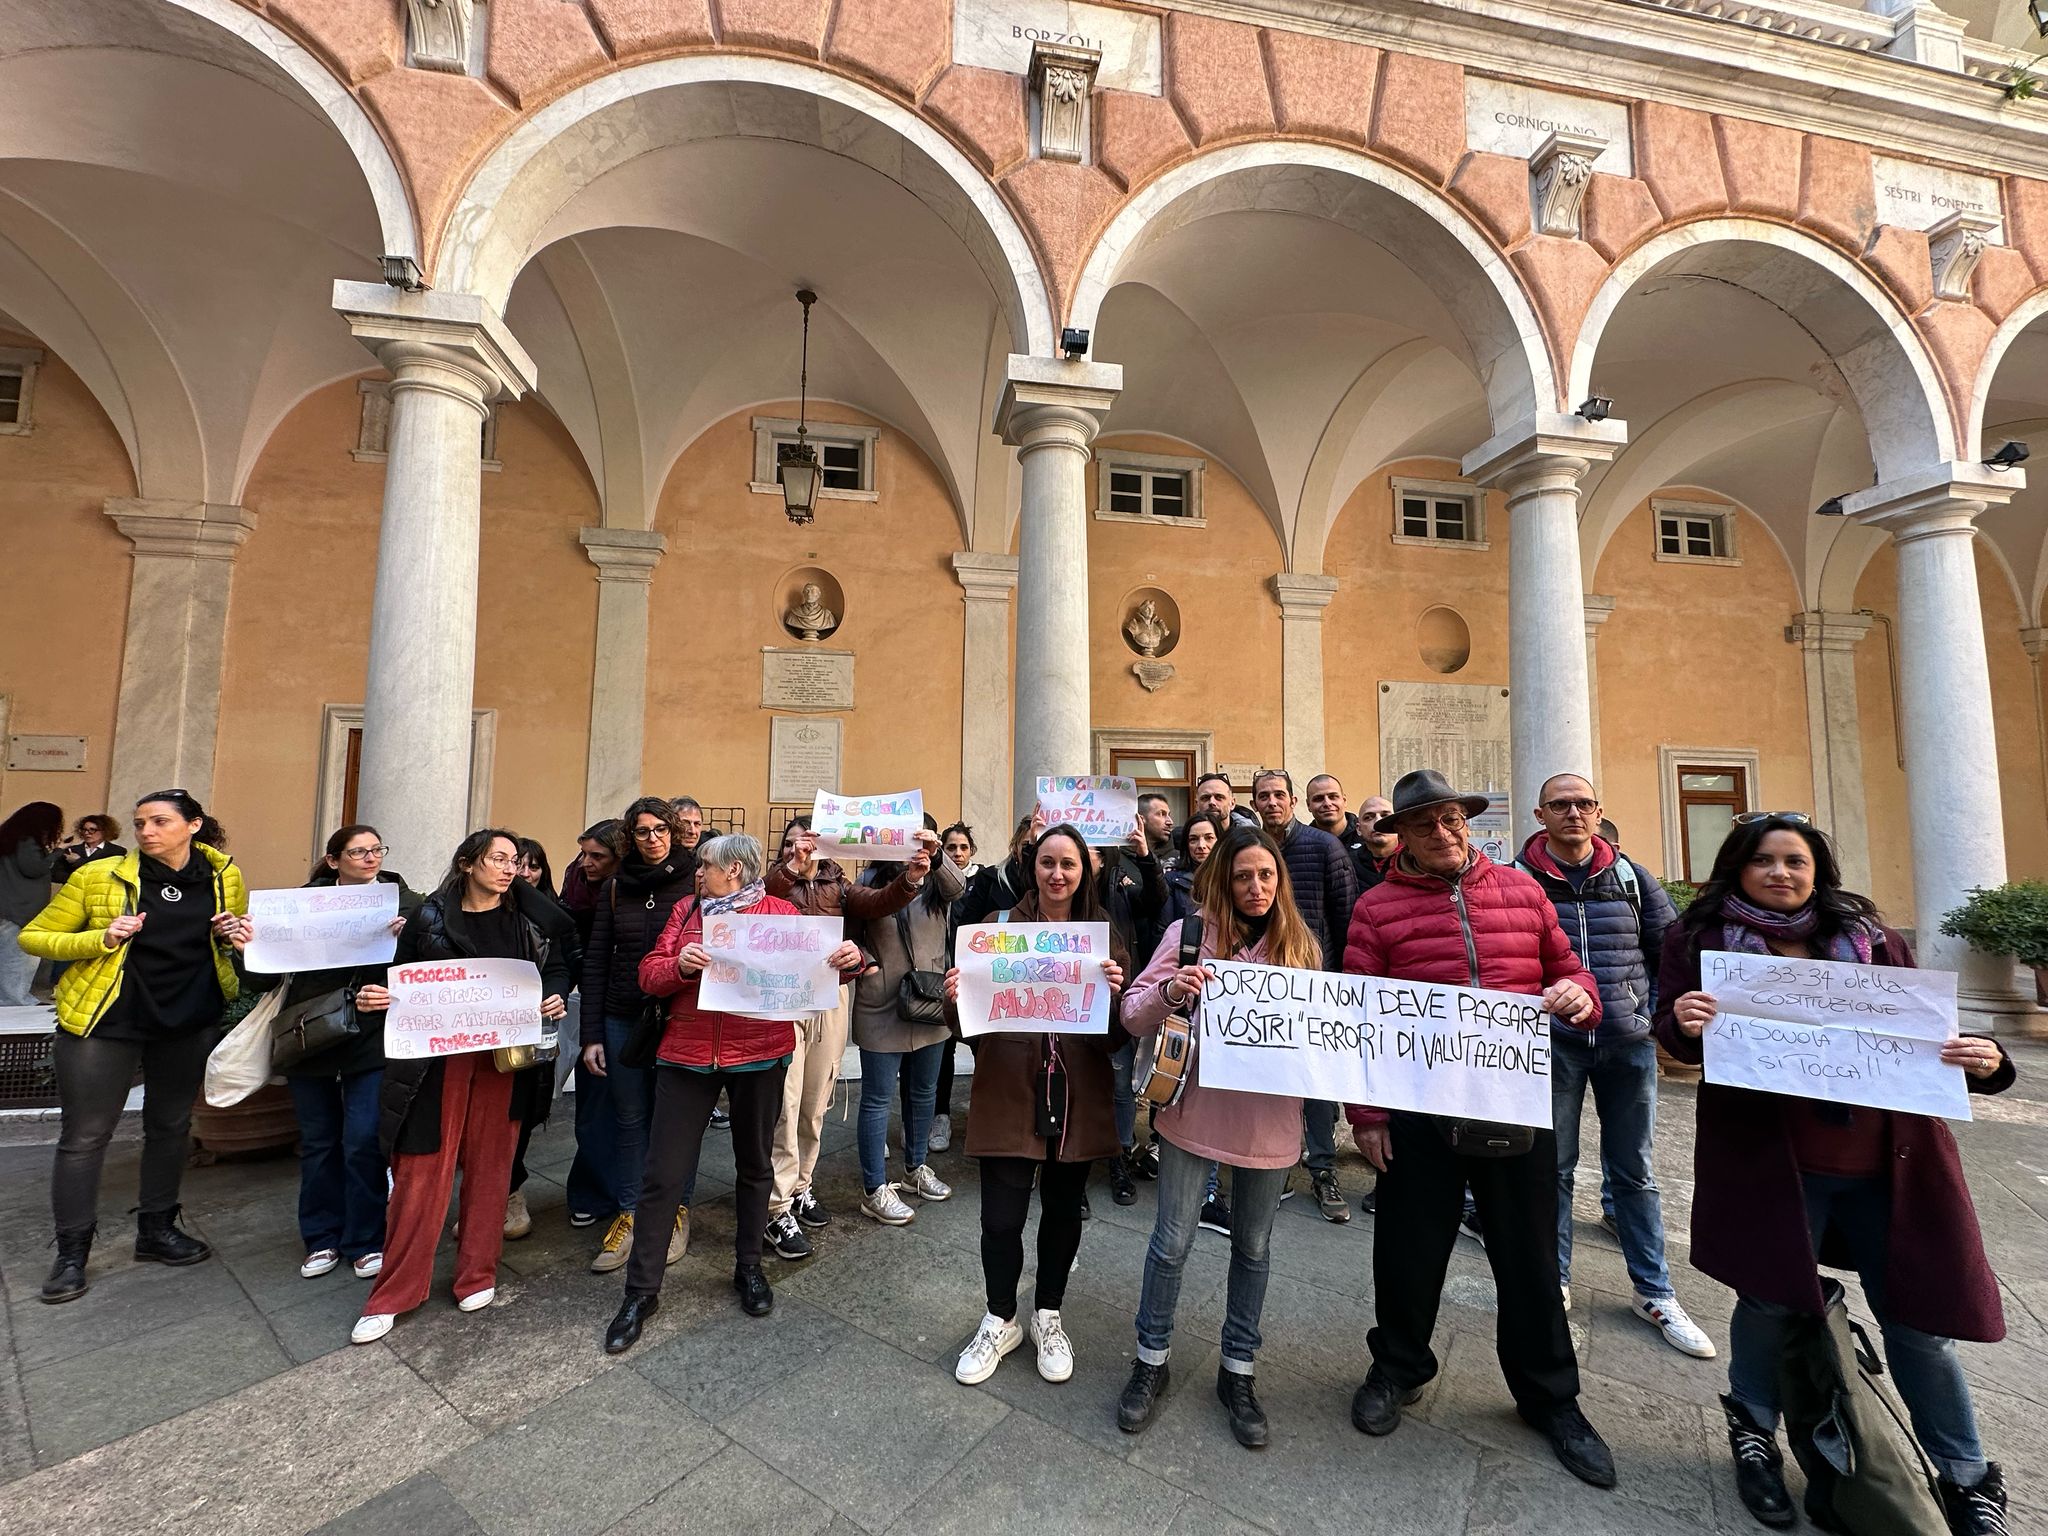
(1954, 246)
(1559, 172)
(437, 34)
(1062, 80)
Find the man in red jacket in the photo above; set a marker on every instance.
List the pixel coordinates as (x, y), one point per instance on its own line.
(1446, 913)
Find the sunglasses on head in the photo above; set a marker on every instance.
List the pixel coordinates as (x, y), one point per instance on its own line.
(1794, 818)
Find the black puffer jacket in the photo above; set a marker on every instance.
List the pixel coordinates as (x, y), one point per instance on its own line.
(632, 909)
(365, 1053)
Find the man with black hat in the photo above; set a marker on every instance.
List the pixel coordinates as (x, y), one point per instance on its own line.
(1447, 914)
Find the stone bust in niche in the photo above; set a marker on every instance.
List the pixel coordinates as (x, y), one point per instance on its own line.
(809, 618)
(1146, 631)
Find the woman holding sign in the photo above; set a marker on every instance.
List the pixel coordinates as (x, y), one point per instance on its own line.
(1247, 913)
(441, 1114)
(1041, 1109)
(1784, 1183)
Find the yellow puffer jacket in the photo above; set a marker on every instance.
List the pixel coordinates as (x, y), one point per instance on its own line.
(73, 928)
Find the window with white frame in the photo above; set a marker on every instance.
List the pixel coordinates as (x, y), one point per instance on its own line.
(373, 426)
(846, 454)
(18, 367)
(1694, 531)
(1148, 488)
(1439, 512)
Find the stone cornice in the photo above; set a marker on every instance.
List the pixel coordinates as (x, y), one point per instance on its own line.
(623, 554)
(182, 530)
(457, 329)
(985, 578)
(1302, 597)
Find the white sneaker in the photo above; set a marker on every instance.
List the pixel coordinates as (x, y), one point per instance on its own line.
(477, 1300)
(941, 1137)
(1566, 1292)
(1055, 1349)
(369, 1266)
(887, 1207)
(320, 1262)
(1680, 1332)
(371, 1327)
(927, 1185)
(984, 1352)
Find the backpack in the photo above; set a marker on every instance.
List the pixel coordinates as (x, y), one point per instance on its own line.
(1865, 1474)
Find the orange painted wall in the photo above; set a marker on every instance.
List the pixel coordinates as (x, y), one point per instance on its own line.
(67, 596)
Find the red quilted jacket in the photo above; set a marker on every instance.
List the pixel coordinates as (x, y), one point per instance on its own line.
(1415, 926)
(695, 1038)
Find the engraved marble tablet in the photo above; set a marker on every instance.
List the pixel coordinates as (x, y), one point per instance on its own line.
(806, 679)
(1459, 729)
(803, 759)
(1505, 117)
(998, 34)
(1916, 196)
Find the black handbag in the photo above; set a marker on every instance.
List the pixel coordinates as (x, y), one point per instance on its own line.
(649, 1026)
(1485, 1138)
(307, 1028)
(920, 995)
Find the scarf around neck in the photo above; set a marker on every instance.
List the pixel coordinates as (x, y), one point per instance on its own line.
(1748, 929)
(748, 895)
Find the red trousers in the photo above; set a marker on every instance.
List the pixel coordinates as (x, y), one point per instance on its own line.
(479, 1135)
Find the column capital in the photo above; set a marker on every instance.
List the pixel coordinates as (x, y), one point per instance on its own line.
(1302, 597)
(623, 554)
(458, 331)
(1544, 450)
(984, 578)
(1940, 499)
(182, 530)
(2035, 643)
(1599, 609)
(1050, 400)
(1817, 629)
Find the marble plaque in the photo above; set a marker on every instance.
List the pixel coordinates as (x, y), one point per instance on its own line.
(1504, 117)
(1459, 729)
(998, 34)
(1915, 196)
(806, 679)
(803, 758)
(46, 754)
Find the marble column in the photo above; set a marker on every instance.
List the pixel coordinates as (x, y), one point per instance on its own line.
(1834, 731)
(625, 559)
(986, 584)
(1050, 412)
(2035, 642)
(1953, 803)
(449, 355)
(175, 645)
(1599, 609)
(1302, 600)
(1538, 463)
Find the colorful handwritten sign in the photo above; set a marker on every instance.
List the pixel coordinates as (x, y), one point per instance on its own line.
(1033, 978)
(1104, 808)
(451, 1007)
(770, 967)
(880, 827)
(321, 927)
(1868, 1035)
(1269, 1029)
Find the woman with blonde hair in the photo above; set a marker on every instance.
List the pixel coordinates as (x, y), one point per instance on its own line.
(1246, 912)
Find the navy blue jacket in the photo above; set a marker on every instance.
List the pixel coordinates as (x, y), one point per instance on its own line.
(1621, 950)
(1325, 887)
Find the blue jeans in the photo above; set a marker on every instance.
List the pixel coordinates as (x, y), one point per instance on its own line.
(1924, 1367)
(878, 1073)
(1319, 1135)
(1255, 1196)
(631, 1105)
(1624, 1082)
(1123, 1097)
(341, 1171)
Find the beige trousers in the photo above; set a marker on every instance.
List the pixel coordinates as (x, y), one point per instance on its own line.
(806, 1095)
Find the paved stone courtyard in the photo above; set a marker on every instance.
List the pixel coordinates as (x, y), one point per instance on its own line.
(224, 1398)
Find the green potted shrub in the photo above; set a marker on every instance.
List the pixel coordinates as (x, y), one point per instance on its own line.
(1681, 892)
(2010, 919)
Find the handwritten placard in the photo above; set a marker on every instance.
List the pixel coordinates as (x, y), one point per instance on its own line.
(1868, 1035)
(452, 1007)
(881, 827)
(1033, 978)
(322, 927)
(1104, 808)
(1269, 1029)
(770, 966)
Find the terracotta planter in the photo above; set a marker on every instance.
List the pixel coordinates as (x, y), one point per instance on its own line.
(263, 1123)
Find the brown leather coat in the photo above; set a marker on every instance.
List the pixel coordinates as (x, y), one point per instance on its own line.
(828, 892)
(1000, 1118)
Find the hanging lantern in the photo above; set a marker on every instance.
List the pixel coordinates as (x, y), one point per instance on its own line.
(796, 464)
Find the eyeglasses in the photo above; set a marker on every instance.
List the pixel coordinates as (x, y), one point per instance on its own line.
(649, 834)
(499, 861)
(1795, 818)
(365, 855)
(1565, 807)
(1450, 821)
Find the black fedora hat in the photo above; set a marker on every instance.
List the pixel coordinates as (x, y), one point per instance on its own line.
(1426, 787)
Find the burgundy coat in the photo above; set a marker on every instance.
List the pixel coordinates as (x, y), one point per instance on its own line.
(1749, 1226)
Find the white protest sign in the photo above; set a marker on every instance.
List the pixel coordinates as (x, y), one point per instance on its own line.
(1461, 1051)
(769, 966)
(881, 827)
(1868, 1035)
(1269, 1029)
(1034, 978)
(1102, 807)
(449, 1007)
(321, 927)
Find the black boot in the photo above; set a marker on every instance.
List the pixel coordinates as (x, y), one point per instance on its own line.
(1123, 1189)
(1141, 1396)
(67, 1275)
(1978, 1510)
(1247, 1418)
(756, 1300)
(1376, 1406)
(158, 1240)
(624, 1332)
(1759, 1467)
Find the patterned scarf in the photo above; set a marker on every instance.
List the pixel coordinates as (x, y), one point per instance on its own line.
(1747, 929)
(748, 895)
